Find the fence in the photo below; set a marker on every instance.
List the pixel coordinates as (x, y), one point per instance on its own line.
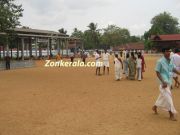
(18, 64)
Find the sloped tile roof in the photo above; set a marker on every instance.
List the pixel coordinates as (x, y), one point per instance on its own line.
(170, 37)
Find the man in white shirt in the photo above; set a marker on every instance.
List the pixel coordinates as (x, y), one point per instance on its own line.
(176, 60)
(105, 61)
(98, 64)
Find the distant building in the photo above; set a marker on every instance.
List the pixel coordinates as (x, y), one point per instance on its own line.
(162, 41)
(130, 46)
(30, 43)
(75, 45)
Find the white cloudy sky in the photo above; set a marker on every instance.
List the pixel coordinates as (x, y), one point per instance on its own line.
(132, 14)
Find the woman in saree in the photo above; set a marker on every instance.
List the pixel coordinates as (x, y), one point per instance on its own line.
(132, 67)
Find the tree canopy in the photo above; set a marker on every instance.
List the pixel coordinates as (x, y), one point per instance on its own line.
(9, 15)
(77, 33)
(163, 23)
(112, 35)
(62, 30)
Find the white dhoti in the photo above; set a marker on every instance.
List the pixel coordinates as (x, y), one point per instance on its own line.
(106, 63)
(98, 63)
(164, 100)
(118, 73)
(139, 73)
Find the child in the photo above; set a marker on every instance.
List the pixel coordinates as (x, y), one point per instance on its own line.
(118, 63)
(139, 67)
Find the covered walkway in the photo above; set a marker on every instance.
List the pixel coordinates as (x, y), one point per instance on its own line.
(34, 43)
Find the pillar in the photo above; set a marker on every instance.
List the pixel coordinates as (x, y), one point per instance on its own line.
(22, 49)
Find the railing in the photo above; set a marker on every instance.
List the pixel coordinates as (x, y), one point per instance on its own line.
(18, 64)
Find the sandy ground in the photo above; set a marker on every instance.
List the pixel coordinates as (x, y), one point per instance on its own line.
(73, 101)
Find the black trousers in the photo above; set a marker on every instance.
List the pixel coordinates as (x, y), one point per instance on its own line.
(7, 65)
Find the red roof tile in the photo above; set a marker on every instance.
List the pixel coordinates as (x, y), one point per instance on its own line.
(171, 37)
(130, 46)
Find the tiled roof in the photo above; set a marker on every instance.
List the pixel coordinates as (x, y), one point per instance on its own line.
(37, 31)
(130, 46)
(171, 37)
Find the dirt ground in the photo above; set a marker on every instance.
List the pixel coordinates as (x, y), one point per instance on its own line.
(73, 101)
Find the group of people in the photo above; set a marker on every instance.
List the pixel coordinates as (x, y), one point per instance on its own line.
(105, 65)
(129, 63)
(167, 69)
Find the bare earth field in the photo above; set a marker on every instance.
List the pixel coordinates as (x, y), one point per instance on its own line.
(73, 101)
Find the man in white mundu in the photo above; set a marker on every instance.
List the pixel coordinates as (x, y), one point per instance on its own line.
(105, 61)
(98, 64)
(176, 60)
(164, 70)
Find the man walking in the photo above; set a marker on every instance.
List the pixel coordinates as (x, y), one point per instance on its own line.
(164, 70)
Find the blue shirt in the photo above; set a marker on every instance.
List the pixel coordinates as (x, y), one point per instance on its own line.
(165, 68)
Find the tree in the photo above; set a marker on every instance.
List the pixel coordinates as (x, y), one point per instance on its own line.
(114, 35)
(162, 23)
(62, 30)
(134, 39)
(25, 27)
(9, 19)
(92, 37)
(77, 33)
(9, 15)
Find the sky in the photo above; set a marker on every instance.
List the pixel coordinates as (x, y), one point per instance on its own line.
(135, 15)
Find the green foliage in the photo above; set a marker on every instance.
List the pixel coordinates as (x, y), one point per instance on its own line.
(62, 30)
(114, 35)
(9, 15)
(92, 37)
(148, 44)
(134, 39)
(162, 23)
(77, 33)
(9, 19)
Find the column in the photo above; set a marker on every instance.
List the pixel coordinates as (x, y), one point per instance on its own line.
(7, 48)
(27, 48)
(22, 50)
(3, 52)
(36, 47)
(18, 49)
(30, 47)
(66, 44)
(0, 52)
(58, 45)
(48, 48)
(62, 46)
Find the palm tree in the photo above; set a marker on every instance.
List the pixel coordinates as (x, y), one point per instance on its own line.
(62, 30)
(94, 32)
